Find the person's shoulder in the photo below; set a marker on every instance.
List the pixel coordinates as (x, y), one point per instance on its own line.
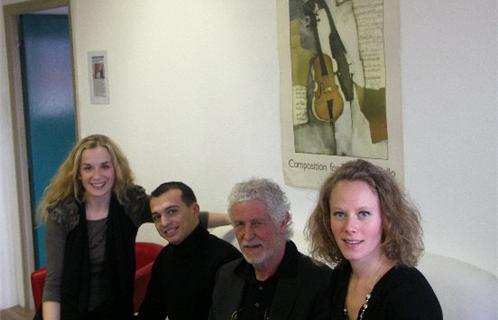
(305, 263)
(403, 274)
(341, 270)
(404, 280)
(314, 276)
(136, 204)
(214, 240)
(407, 287)
(222, 247)
(135, 193)
(312, 266)
(162, 256)
(230, 266)
(65, 213)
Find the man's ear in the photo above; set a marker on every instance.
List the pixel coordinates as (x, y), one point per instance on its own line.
(285, 221)
(195, 207)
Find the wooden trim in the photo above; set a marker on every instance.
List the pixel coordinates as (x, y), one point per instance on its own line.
(11, 19)
(32, 6)
(22, 178)
(73, 62)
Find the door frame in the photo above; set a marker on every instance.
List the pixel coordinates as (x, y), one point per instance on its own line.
(11, 20)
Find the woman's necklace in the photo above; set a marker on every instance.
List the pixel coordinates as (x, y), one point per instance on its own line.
(363, 308)
(371, 284)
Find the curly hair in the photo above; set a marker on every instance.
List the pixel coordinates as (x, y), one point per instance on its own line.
(402, 232)
(65, 183)
(267, 192)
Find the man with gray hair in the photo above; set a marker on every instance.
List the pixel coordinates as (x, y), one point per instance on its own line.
(273, 280)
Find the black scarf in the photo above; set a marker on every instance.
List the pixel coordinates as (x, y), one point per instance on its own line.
(119, 267)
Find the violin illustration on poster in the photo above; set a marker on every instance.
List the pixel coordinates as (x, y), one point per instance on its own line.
(338, 50)
(339, 86)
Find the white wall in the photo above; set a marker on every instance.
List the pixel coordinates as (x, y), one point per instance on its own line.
(194, 96)
(449, 85)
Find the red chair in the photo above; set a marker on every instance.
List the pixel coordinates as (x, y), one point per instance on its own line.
(145, 254)
(37, 282)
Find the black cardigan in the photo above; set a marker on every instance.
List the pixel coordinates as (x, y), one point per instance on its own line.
(119, 262)
(402, 293)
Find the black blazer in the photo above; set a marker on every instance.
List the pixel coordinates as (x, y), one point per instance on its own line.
(305, 295)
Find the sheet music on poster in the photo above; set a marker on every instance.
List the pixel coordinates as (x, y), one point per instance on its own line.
(339, 86)
(99, 77)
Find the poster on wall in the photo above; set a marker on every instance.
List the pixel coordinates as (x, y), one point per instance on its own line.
(339, 86)
(99, 78)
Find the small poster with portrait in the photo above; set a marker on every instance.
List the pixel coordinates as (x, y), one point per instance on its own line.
(99, 78)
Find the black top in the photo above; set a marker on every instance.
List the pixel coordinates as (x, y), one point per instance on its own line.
(64, 217)
(402, 293)
(118, 268)
(258, 295)
(302, 291)
(183, 275)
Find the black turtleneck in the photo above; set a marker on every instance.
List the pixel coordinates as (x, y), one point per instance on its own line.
(183, 275)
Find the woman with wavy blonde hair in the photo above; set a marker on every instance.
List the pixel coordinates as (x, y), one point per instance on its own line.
(365, 225)
(92, 210)
(66, 182)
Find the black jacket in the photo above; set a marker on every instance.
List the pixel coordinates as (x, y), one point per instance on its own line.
(303, 293)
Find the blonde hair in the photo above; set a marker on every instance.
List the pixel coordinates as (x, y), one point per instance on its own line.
(65, 183)
(402, 232)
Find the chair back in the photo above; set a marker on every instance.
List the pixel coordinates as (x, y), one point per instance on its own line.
(37, 283)
(145, 254)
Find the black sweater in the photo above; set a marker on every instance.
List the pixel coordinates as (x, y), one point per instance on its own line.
(183, 276)
(402, 293)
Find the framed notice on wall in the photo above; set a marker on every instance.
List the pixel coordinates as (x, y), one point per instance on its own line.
(99, 77)
(339, 86)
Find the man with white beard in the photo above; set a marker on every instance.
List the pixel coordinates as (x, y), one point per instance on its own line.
(273, 280)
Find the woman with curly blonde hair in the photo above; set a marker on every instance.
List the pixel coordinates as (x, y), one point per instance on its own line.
(66, 182)
(92, 210)
(365, 225)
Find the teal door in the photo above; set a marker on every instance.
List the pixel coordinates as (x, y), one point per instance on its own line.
(48, 105)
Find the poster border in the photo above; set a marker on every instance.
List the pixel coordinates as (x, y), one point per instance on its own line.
(94, 99)
(309, 170)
